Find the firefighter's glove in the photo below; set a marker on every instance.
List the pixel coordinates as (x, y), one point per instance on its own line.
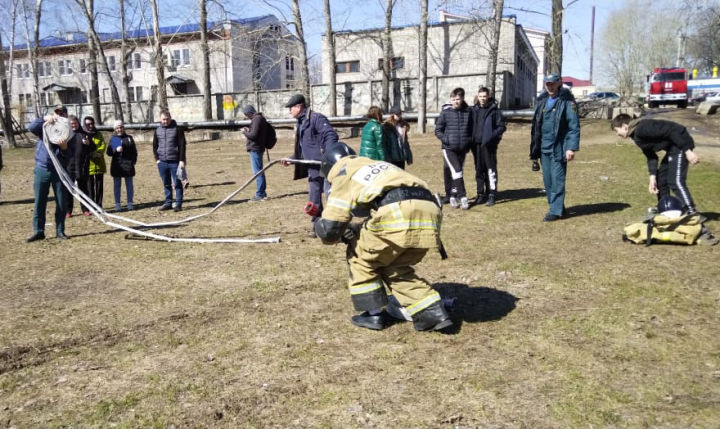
(311, 209)
(351, 233)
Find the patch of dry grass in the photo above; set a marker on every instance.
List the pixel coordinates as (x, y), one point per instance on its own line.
(558, 324)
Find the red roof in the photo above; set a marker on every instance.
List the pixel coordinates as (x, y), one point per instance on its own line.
(576, 82)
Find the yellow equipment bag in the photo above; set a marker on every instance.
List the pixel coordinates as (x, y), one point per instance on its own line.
(662, 229)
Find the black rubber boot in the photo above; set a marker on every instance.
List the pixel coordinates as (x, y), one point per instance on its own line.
(365, 320)
(432, 318)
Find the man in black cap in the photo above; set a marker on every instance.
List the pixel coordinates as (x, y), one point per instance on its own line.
(312, 134)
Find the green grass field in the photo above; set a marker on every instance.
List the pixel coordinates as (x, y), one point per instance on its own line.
(557, 324)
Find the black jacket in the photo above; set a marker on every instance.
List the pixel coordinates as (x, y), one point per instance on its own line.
(489, 127)
(258, 134)
(123, 163)
(79, 155)
(654, 135)
(454, 128)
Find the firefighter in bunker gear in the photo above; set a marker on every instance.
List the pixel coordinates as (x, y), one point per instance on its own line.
(403, 224)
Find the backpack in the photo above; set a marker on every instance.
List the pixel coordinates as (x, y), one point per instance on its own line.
(271, 135)
(663, 229)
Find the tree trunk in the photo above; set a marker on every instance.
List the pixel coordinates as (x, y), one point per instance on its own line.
(159, 59)
(207, 106)
(94, 84)
(556, 48)
(331, 56)
(126, 56)
(422, 57)
(387, 56)
(34, 55)
(88, 9)
(303, 51)
(6, 112)
(490, 76)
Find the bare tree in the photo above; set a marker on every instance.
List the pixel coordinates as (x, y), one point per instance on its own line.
(303, 49)
(422, 58)
(94, 81)
(159, 58)
(6, 112)
(88, 9)
(207, 107)
(33, 48)
(126, 55)
(490, 78)
(387, 64)
(331, 56)
(556, 44)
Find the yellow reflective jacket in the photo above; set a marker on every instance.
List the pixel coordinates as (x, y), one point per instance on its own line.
(97, 157)
(358, 181)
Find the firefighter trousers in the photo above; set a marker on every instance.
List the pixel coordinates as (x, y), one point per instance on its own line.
(378, 267)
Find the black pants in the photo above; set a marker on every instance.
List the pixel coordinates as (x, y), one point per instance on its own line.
(453, 173)
(672, 174)
(95, 188)
(486, 177)
(82, 183)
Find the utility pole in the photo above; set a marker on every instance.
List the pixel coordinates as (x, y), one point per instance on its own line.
(592, 42)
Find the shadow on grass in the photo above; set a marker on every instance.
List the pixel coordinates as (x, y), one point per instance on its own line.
(212, 184)
(597, 208)
(475, 304)
(247, 200)
(519, 194)
(711, 215)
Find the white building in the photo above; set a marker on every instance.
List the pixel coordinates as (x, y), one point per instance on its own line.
(245, 55)
(457, 56)
(540, 41)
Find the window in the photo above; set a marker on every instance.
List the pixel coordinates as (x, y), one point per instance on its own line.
(83, 66)
(23, 71)
(134, 61)
(347, 67)
(153, 93)
(138, 93)
(65, 67)
(289, 63)
(180, 57)
(106, 95)
(83, 96)
(25, 99)
(397, 63)
(111, 62)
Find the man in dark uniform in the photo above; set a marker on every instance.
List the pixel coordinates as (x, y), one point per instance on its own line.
(554, 139)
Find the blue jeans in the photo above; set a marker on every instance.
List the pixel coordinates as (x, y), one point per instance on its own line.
(256, 161)
(168, 174)
(117, 190)
(43, 179)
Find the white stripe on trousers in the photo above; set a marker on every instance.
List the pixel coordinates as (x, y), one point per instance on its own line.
(678, 180)
(455, 174)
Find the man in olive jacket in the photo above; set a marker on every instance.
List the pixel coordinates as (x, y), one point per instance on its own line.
(654, 135)
(555, 137)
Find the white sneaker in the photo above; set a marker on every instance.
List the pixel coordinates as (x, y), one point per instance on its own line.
(464, 204)
(453, 202)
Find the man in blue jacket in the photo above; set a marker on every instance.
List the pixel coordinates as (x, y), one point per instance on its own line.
(555, 137)
(45, 176)
(312, 135)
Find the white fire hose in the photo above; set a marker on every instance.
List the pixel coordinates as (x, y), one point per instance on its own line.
(60, 130)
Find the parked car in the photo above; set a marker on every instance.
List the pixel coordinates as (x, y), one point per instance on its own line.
(603, 96)
(713, 97)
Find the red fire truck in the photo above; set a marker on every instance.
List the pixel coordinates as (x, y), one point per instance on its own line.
(667, 86)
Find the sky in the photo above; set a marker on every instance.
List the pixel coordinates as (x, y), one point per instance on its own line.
(354, 14)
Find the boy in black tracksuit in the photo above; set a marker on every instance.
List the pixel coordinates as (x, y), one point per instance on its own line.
(488, 128)
(653, 135)
(454, 129)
